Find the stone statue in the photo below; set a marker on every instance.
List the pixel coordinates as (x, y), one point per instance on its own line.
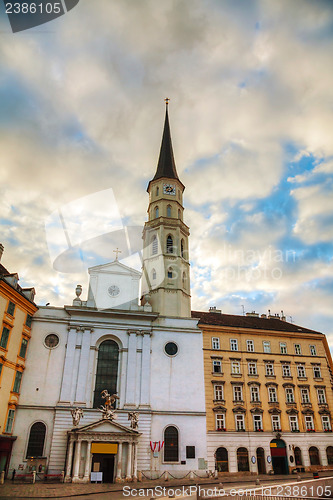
(133, 416)
(77, 414)
(107, 410)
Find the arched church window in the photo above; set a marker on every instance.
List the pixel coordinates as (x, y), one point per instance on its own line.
(169, 244)
(154, 245)
(107, 370)
(156, 212)
(36, 440)
(153, 275)
(184, 280)
(182, 248)
(169, 211)
(170, 273)
(157, 191)
(171, 445)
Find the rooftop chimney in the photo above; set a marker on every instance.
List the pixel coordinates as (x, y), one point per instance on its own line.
(214, 310)
(1, 250)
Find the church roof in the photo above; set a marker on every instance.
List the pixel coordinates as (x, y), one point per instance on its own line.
(251, 322)
(166, 166)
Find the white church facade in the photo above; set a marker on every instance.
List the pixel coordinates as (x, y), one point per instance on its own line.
(149, 356)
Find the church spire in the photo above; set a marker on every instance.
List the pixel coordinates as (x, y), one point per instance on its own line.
(166, 166)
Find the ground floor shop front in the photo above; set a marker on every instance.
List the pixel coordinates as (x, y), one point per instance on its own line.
(268, 453)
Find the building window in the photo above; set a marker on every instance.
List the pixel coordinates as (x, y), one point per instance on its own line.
(290, 395)
(252, 366)
(218, 392)
(250, 345)
(313, 350)
(314, 456)
(215, 343)
(23, 349)
(10, 421)
(293, 422)
(220, 421)
(316, 371)
(170, 274)
(298, 456)
(321, 396)
(4, 337)
(154, 245)
(171, 349)
(36, 440)
(157, 191)
(17, 382)
(169, 211)
(257, 422)
(297, 348)
(190, 451)
(267, 346)
(11, 308)
(217, 366)
(51, 341)
(329, 454)
(255, 396)
(235, 367)
(171, 444)
(221, 463)
(240, 423)
(184, 280)
(169, 244)
(269, 369)
(301, 371)
(326, 423)
(28, 321)
(107, 370)
(153, 274)
(272, 395)
(309, 423)
(243, 460)
(276, 425)
(233, 344)
(238, 393)
(157, 212)
(182, 248)
(305, 395)
(283, 348)
(178, 214)
(286, 371)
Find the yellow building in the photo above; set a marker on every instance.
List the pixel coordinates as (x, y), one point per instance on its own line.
(16, 310)
(268, 386)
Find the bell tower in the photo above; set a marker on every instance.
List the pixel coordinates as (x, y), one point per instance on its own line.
(166, 267)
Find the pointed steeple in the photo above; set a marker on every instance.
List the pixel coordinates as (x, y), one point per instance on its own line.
(166, 166)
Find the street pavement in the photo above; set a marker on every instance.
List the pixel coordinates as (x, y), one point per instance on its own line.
(43, 490)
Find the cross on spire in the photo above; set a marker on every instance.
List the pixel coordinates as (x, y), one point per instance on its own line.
(116, 252)
(167, 100)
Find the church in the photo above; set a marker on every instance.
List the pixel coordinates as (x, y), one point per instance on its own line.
(140, 350)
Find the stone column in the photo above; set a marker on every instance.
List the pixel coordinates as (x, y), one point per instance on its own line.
(65, 393)
(87, 467)
(131, 370)
(145, 371)
(69, 460)
(135, 460)
(129, 463)
(83, 368)
(77, 457)
(119, 462)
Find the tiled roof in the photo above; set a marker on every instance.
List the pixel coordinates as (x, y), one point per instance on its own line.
(251, 322)
(3, 270)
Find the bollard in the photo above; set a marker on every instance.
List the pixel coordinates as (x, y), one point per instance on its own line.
(166, 476)
(33, 477)
(2, 477)
(299, 477)
(216, 474)
(257, 481)
(62, 476)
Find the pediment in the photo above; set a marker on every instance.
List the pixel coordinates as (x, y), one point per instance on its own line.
(114, 267)
(102, 426)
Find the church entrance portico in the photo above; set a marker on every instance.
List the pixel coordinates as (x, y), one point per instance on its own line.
(104, 446)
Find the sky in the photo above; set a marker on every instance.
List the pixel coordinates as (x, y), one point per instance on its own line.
(251, 114)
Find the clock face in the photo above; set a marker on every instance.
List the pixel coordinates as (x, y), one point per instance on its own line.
(114, 290)
(169, 189)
